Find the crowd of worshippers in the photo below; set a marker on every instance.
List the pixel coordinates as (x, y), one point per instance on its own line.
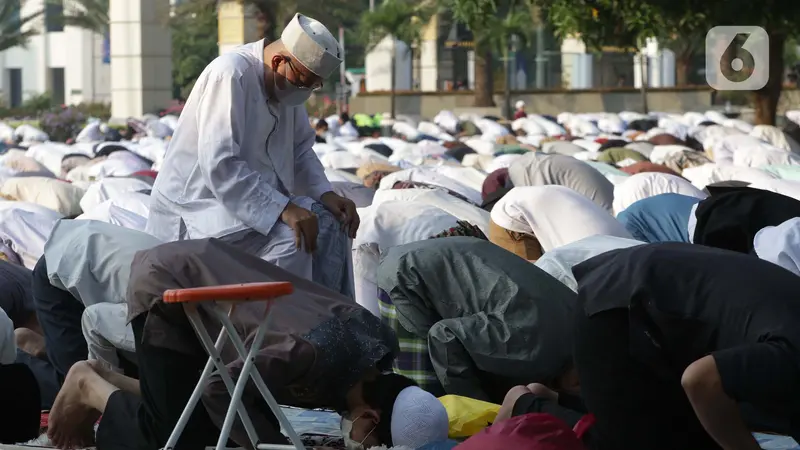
(640, 298)
(645, 331)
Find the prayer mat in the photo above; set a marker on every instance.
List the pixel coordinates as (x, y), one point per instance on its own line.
(317, 428)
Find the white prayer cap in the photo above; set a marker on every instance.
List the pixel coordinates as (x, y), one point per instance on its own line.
(418, 418)
(312, 45)
(520, 104)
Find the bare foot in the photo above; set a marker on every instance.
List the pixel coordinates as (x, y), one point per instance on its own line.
(71, 419)
(507, 408)
(543, 391)
(30, 342)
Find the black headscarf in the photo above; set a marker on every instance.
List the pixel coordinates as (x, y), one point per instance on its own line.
(732, 219)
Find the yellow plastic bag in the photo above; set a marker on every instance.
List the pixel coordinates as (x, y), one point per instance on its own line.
(468, 416)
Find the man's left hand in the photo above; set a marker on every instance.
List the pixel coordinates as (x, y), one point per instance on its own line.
(344, 209)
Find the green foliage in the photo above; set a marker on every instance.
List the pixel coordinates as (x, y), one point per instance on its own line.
(194, 43)
(37, 104)
(790, 55)
(493, 22)
(99, 110)
(15, 30)
(599, 23)
(404, 19)
(32, 107)
(87, 14)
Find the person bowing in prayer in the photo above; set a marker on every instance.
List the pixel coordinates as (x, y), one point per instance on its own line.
(240, 166)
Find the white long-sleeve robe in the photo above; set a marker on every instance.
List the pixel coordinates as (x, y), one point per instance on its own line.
(236, 158)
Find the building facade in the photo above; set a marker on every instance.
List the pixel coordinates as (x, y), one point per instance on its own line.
(69, 63)
(74, 65)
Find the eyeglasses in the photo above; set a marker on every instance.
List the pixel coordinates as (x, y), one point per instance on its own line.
(303, 85)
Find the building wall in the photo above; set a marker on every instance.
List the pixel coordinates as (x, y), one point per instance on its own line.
(543, 102)
(77, 51)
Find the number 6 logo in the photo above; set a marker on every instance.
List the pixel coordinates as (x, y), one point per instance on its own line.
(737, 58)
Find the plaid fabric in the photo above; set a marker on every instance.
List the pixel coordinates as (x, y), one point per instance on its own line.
(413, 360)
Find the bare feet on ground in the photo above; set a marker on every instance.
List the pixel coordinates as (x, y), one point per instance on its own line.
(71, 421)
(507, 408)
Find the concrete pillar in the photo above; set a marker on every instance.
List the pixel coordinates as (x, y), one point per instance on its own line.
(667, 68)
(637, 71)
(429, 57)
(577, 64)
(471, 69)
(236, 25)
(579, 71)
(141, 57)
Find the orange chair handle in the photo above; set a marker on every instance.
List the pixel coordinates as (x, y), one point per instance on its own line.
(230, 292)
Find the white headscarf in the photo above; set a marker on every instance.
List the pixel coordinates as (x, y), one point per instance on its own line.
(559, 262)
(438, 198)
(648, 184)
(788, 188)
(433, 178)
(556, 215)
(776, 137)
(780, 245)
(702, 176)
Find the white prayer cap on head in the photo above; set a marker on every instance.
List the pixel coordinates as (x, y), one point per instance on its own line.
(312, 45)
(418, 418)
(520, 104)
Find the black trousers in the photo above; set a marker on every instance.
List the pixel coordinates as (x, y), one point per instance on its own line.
(45, 375)
(635, 409)
(59, 315)
(166, 379)
(20, 396)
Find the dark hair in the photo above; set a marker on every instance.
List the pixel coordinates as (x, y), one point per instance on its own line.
(380, 394)
(322, 125)
(344, 117)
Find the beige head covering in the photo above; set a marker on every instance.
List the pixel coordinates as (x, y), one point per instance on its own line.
(312, 44)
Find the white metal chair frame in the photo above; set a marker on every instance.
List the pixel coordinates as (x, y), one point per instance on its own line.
(223, 310)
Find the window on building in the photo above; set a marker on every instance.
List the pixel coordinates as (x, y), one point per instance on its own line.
(58, 86)
(15, 87)
(54, 16)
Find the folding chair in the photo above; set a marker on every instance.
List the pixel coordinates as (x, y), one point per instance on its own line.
(221, 301)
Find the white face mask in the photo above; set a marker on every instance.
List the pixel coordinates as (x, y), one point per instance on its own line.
(347, 428)
(291, 95)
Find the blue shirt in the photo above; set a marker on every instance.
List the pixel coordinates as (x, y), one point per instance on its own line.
(661, 218)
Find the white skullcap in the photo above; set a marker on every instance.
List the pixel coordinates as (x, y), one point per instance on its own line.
(520, 104)
(418, 418)
(312, 45)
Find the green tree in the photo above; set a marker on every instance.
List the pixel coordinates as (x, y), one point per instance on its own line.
(194, 43)
(404, 20)
(15, 30)
(492, 23)
(273, 15)
(661, 18)
(625, 24)
(87, 14)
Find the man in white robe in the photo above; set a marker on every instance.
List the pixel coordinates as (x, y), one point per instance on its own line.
(241, 167)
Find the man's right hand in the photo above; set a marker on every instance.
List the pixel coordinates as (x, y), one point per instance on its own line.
(305, 226)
